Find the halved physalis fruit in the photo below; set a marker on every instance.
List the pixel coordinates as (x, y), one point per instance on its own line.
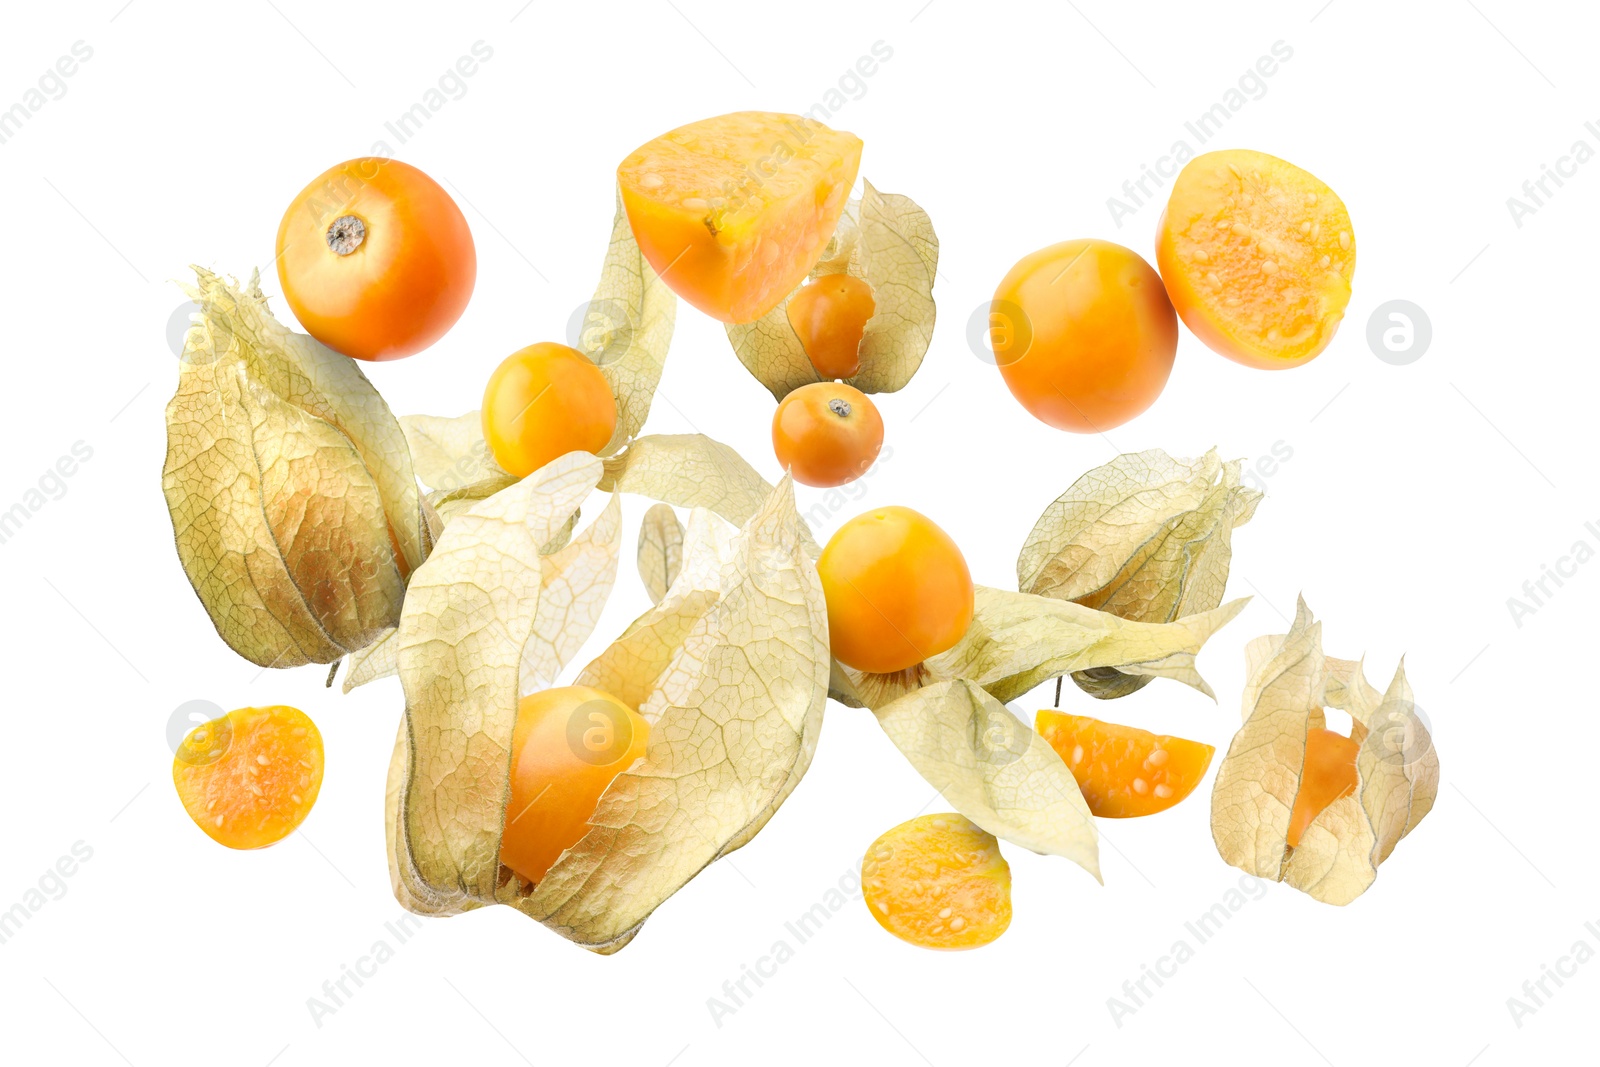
(1257, 256)
(1123, 771)
(250, 777)
(1329, 773)
(733, 212)
(938, 881)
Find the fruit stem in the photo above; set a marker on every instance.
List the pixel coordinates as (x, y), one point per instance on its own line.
(345, 234)
(1058, 690)
(840, 407)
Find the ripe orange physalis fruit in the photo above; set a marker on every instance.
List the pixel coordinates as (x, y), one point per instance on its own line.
(1123, 771)
(898, 590)
(1257, 256)
(827, 434)
(938, 881)
(1083, 334)
(375, 259)
(542, 402)
(1330, 773)
(249, 777)
(567, 746)
(829, 315)
(733, 212)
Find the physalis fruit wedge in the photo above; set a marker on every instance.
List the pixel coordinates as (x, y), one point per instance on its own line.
(250, 777)
(1124, 772)
(829, 315)
(1257, 256)
(567, 746)
(733, 212)
(1330, 773)
(938, 881)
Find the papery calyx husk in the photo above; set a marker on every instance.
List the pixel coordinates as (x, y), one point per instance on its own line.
(1145, 537)
(1017, 641)
(627, 329)
(1290, 683)
(730, 669)
(993, 768)
(660, 553)
(293, 503)
(886, 240)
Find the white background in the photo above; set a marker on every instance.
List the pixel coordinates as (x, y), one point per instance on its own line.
(1417, 500)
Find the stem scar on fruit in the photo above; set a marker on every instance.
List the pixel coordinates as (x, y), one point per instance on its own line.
(346, 233)
(827, 434)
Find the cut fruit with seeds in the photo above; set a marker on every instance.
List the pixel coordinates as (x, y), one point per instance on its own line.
(1123, 771)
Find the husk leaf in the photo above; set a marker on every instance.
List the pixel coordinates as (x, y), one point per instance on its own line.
(294, 507)
(994, 769)
(1145, 537)
(1018, 641)
(887, 241)
(660, 552)
(627, 329)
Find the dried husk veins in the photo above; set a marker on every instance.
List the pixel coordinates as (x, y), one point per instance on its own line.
(736, 716)
(1017, 641)
(1145, 537)
(468, 616)
(294, 507)
(992, 768)
(660, 552)
(734, 726)
(576, 576)
(1290, 682)
(887, 241)
(627, 329)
